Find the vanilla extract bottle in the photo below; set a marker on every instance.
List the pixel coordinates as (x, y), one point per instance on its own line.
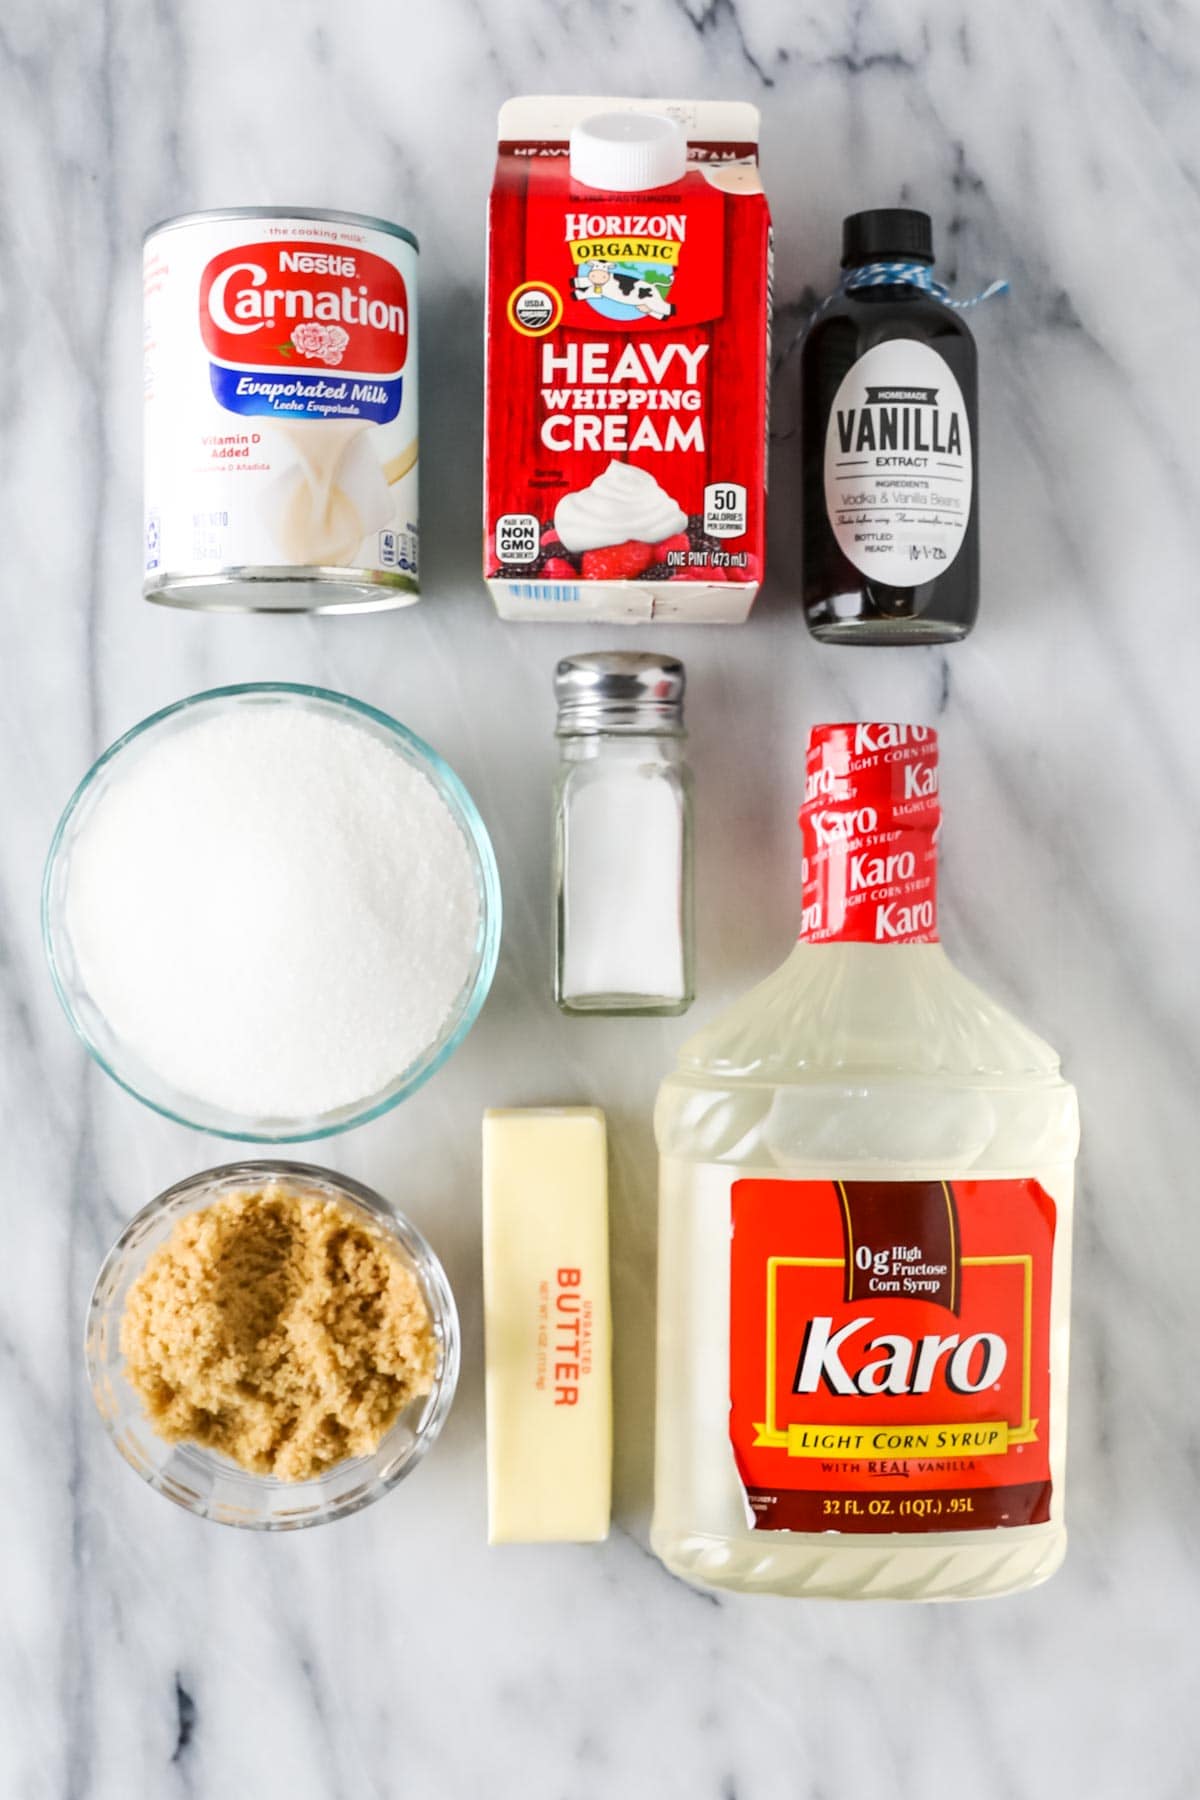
(865, 1206)
(889, 432)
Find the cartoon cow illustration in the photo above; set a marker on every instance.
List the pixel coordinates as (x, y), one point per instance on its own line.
(600, 281)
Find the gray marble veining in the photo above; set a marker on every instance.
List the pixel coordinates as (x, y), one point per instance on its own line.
(143, 1653)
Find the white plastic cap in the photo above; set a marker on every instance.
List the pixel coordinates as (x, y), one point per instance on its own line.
(626, 153)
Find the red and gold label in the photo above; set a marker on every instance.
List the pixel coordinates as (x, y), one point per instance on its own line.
(890, 1353)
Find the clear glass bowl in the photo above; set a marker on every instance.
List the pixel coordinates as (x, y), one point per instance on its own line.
(131, 1071)
(204, 1481)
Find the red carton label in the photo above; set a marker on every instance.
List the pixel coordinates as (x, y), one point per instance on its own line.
(890, 1354)
(627, 341)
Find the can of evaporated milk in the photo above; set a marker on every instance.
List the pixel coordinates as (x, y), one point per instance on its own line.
(281, 412)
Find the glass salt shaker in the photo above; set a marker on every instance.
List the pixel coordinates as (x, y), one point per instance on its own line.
(623, 836)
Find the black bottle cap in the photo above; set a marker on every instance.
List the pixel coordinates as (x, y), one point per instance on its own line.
(887, 233)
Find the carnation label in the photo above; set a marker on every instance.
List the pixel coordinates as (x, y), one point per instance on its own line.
(281, 411)
(890, 1353)
(627, 349)
(898, 464)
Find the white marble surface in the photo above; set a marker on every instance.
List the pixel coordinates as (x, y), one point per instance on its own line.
(144, 1653)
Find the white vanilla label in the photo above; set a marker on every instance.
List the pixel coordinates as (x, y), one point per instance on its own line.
(899, 464)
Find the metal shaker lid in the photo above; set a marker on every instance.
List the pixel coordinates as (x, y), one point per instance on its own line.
(619, 690)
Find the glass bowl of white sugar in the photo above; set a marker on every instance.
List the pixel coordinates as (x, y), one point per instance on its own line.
(271, 912)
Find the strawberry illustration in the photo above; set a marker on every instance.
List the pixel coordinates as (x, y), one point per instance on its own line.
(680, 541)
(557, 568)
(619, 562)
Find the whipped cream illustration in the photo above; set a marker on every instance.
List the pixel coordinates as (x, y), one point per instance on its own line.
(622, 503)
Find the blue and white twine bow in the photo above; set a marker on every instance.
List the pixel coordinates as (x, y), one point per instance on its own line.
(911, 274)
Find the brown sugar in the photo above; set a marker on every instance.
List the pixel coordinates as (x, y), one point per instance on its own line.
(279, 1328)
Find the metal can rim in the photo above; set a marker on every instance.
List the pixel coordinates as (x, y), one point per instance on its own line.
(318, 215)
(199, 590)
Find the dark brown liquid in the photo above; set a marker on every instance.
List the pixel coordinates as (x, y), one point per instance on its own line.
(841, 603)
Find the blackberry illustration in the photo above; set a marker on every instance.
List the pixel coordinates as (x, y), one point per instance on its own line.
(661, 571)
(697, 537)
(554, 550)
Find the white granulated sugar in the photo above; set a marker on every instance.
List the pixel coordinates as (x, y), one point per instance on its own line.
(273, 910)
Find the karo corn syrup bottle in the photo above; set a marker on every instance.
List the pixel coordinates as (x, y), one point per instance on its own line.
(889, 431)
(864, 1240)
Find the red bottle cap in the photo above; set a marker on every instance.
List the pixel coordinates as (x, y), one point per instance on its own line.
(870, 824)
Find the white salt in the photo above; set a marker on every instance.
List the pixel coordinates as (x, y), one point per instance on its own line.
(273, 910)
(623, 886)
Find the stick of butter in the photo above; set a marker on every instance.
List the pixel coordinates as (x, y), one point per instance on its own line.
(547, 1325)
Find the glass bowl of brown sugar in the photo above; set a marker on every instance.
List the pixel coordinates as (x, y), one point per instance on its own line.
(272, 1346)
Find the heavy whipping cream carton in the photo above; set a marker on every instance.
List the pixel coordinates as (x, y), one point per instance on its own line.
(628, 320)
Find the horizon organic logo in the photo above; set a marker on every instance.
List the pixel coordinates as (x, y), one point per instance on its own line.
(671, 227)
